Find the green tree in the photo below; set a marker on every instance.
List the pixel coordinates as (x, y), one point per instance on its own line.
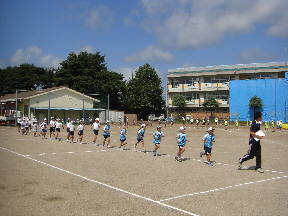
(179, 102)
(210, 104)
(144, 93)
(255, 103)
(25, 76)
(88, 73)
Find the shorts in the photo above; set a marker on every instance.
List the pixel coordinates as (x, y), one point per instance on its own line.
(80, 133)
(68, 130)
(95, 132)
(52, 129)
(207, 150)
(139, 139)
(58, 130)
(106, 136)
(123, 140)
(44, 130)
(181, 146)
(18, 124)
(71, 133)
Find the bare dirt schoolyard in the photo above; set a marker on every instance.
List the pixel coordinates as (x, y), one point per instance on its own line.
(50, 177)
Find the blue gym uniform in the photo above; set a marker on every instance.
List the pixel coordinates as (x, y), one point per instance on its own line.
(106, 132)
(181, 139)
(140, 134)
(123, 134)
(157, 137)
(208, 142)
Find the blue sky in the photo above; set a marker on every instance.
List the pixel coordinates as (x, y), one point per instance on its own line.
(164, 33)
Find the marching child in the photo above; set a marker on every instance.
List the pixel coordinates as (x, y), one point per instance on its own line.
(96, 127)
(266, 126)
(181, 141)
(226, 124)
(157, 139)
(106, 134)
(68, 129)
(140, 137)
(208, 141)
(237, 124)
(71, 130)
(52, 127)
(43, 127)
(34, 128)
(123, 134)
(80, 130)
(58, 126)
(23, 126)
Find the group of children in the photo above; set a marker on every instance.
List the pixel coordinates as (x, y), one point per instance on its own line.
(55, 125)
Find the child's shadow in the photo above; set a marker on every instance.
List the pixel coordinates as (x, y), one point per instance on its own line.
(248, 168)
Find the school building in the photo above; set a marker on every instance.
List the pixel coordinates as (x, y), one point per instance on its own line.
(60, 102)
(198, 83)
(273, 93)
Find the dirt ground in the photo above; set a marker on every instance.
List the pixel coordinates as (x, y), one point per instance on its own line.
(50, 177)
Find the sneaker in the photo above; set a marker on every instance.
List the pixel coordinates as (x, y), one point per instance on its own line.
(210, 163)
(177, 158)
(239, 164)
(260, 170)
(80, 143)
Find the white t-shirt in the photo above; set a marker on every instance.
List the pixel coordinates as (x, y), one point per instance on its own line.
(72, 127)
(96, 126)
(52, 123)
(80, 127)
(68, 124)
(58, 125)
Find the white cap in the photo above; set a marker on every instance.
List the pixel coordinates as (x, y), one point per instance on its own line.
(159, 126)
(210, 129)
(143, 125)
(107, 121)
(97, 119)
(182, 128)
(45, 119)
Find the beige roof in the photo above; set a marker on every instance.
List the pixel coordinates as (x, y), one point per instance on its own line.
(31, 94)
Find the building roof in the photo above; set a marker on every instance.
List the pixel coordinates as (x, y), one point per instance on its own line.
(227, 68)
(37, 93)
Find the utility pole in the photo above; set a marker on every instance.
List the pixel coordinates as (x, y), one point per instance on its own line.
(16, 107)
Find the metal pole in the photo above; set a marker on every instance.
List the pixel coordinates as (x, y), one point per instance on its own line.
(108, 106)
(48, 108)
(16, 106)
(83, 114)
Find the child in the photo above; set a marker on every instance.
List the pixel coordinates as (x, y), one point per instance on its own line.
(181, 141)
(226, 124)
(52, 127)
(140, 137)
(68, 129)
(208, 141)
(123, 134)
(273, 126)
(157, 139)
(58, 126)
(266, 126)
(34, 128)
(43, 127)
(23, 126)
(237, 124)
(71, 130)
(80, 130)
(254, 143)
(106, 134)
(96, 127)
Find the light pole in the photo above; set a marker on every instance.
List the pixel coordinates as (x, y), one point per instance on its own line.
(49, 98)
(83, 108)
(108, 106)
(16, 104)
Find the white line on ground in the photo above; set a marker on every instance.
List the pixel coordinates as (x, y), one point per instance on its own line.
(103, 184)
(222, 188)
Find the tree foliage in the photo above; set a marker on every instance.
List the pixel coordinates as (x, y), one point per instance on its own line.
(255, 103)
(210, 103)
(144, 93)
(25, 76)
(179, 102)
(88, 74)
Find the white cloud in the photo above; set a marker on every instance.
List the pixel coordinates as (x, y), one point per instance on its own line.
(150, 54)
(256, 55)
(34, 55)
(186, 24)
(100, 18)
(88, 49)
(126, 71)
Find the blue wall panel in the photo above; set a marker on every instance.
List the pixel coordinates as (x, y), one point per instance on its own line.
(274, 95)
